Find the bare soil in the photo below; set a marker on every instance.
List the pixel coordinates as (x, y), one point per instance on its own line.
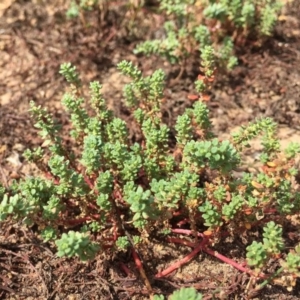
(35, 38)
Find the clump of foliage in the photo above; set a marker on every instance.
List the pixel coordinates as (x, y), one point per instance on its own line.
(109, 193)
(75, 7)
(183, 293)
(191, 25)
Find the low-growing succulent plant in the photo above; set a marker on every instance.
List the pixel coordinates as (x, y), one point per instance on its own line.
(113, 193)
(192, 25)
(182, 294)
(189, 26)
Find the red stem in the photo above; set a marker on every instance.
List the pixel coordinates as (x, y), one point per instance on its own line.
(48, 175)
(93, 206)
(177, 213)
(221, 257)
(125, 269)
(231, 262)
(270, 211)
(90, 205)
(81, 220)
(186, 232)
(115, 230)
(136, 259)
(90, 184)
(182, 222)
(140, 267)
(180, 241)
(182, 261)
(78, 221)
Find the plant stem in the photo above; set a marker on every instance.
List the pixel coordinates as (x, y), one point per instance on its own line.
(140, 267)
(221, 257)
(269, 279)
(183, 261)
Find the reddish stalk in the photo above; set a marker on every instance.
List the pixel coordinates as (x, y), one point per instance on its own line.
(90, 205)
(115, 230)
(140, 267)
(125, 269)
(107, 246)
(89, 183)
(186, 232)
(177, 213)
(181, 241)
(49, 176)
(270, 211)
(182, 261)
(74, 222)
(96, 217)
(182, 222)
(93, 206)
(231, 262)
(240, 267)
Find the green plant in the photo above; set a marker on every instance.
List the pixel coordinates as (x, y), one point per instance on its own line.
(104, 187)
(76, 243)
(182, 294)
(257, 253)
(192, 25)
(122, 242)
(292, 263)
(84, 5)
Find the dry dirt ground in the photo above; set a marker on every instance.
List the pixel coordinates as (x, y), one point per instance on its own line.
(35, 38)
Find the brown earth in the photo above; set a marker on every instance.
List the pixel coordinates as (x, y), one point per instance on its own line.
(35, 38)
